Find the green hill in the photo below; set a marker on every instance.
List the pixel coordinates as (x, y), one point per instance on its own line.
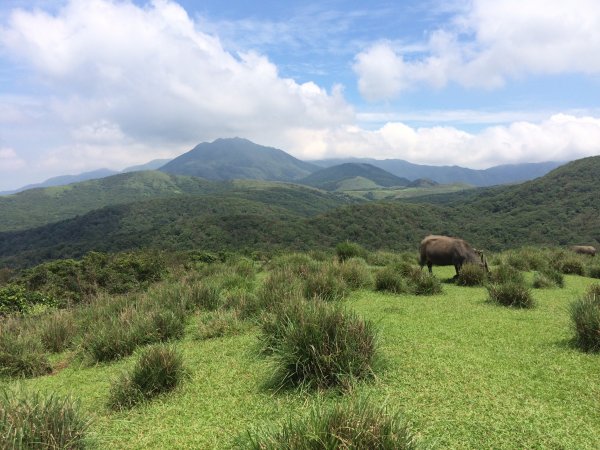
(559, 209)
(351, 176)
(39, 207)
(228, 159)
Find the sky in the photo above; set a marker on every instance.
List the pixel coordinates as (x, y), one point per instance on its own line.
(89, 84)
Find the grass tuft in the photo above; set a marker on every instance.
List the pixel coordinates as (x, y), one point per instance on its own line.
(511, 294)
(391, 280)
(158, 370)
(585, 315)
(471, 275)
(35, 421)
(355, 425)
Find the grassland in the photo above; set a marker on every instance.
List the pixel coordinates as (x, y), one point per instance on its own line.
(464, 372)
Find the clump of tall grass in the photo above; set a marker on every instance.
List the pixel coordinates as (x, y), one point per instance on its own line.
(214, 324)
(280, 286)
(299, 264)
(593, 271)
(326, 285)
(471, 275)
(319, 345)
(21, 352)
(505, 273)
(346, 250)
(585, 315)
(391, 280)
(37, 421)
(570, 265)
(383, 258)
(356, 273)
(159, 369)
(58, 330)
(423, 283)
(511, 294)
(548, 278)
(354, 425)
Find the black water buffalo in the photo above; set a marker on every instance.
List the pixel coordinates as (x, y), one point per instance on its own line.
(449, 251)
(584, 249)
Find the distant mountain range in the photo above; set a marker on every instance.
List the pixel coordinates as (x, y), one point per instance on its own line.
(360, 174)
(503, 174)
(236, 158)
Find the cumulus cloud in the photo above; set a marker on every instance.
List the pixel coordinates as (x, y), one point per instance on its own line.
(115, 73)
(488, 42)
(560, 138)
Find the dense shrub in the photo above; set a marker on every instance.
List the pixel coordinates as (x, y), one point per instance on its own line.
(471, 275)
(35, 421)
(511, 294)
(423, 283)
(356, 273)
(15, 299)
(159, 369)
(585, 314)
(355, 425)
(318, 345)
(346, 250)
(21, 353)
(389, 279)
(528, 258)
(325, 285)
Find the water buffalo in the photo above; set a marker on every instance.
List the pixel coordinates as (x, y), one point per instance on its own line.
(449, 251)
(584, 249)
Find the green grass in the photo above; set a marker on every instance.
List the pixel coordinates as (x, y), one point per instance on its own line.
(465, 373)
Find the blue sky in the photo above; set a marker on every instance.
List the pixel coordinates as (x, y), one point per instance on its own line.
(86, 84)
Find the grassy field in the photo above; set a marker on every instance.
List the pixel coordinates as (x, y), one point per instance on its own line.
(465, 373)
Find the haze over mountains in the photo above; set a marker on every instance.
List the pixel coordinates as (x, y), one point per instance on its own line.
(236, 158)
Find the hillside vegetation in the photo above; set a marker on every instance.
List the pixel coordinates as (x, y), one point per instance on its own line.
(338, 177)
(562, 208)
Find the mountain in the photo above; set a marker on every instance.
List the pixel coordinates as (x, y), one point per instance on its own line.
(344, 176)
(65, 179)
(504, 174)
(236, 158)
(155, 164)
(561, 208)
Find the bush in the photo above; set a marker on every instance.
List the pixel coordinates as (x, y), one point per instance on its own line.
(346, 250)
(57, 331)
(547, 279)
(505, 273)
(593, 272)
(16, 299)
(319, 346)
(383, 258)
(585, 314)
(21, 354)
(299, 264)
(389, 279)
(471, 275)
(159, 369)
(325, 285)
(205, 294)
(424, 283)
(215, 324)
(571, 265)
(356, 273)
(34, 421)
(356, 425)
(511, 294)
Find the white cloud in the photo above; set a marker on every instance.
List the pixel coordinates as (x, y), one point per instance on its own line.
(9, 160)
(560, 138)
(489, 42)
(108, 70)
